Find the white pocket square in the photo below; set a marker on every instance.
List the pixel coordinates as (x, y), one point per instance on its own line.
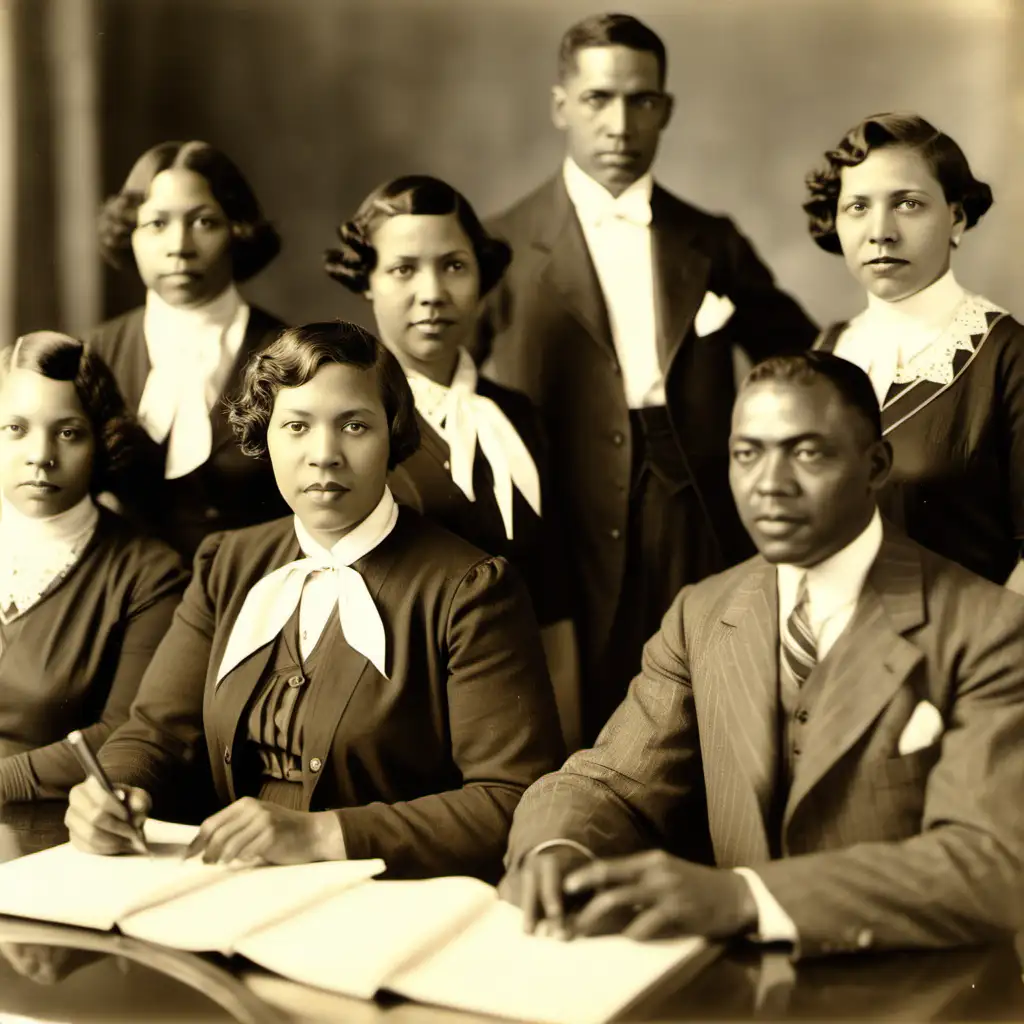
(923, 729)
(713, 314)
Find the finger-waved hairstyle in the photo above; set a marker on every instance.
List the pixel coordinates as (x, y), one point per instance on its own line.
(806, 368)
(355, 259)
(610, 30)
(944, 157)
(116, 433)
(254, 241)
(294, 359)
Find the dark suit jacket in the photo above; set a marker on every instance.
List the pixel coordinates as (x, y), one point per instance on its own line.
(426, 765)
(879, 849)
(230, 490)
(957, 483)
(547, 327)
(423, 482)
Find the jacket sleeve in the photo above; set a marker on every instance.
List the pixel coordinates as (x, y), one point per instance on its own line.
(164, 730)
(504, 734)
(157, 581)
(959, 882)
(642, 784)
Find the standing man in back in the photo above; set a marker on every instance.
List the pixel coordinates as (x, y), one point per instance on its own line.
(619, 317)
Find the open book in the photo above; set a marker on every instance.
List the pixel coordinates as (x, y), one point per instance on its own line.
(447, 941)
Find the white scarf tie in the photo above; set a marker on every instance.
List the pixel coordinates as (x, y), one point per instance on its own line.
(463, 418)
(191, 352)
(272, 601)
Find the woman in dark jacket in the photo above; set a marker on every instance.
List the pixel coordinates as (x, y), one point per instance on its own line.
(190, 223)
(367, 684)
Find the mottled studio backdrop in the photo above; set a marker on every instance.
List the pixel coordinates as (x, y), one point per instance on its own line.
(319, 100)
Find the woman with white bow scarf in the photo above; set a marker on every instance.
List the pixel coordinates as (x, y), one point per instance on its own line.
(192, 225)
(367, 684)
(895, 198)
(84, 597)
(418, 252)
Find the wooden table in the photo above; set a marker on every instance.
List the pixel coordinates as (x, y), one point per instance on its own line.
(68, 974)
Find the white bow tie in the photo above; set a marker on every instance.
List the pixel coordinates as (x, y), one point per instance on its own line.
(633, 207)
(272, 601)
(469, 418)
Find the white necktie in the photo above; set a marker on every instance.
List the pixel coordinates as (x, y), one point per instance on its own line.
(272, 601)
(186, 352)
(470, 418)
(633, 207)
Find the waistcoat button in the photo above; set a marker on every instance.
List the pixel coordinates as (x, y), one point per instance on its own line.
(315, 764)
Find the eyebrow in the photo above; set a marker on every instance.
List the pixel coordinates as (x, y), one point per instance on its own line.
(442, 256)
(639, 94)
(784, 441)
(363, 411)
(898, 194)
(190, 210)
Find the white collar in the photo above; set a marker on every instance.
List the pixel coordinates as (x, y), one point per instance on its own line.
(221, 310)
(591, 199)
(430, 397)
(359, 541)
(65, 528)
(928, 310)
(838, 580)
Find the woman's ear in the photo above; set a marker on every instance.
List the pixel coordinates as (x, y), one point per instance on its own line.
(959, 225)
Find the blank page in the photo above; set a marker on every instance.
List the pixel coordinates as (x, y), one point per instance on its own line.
(216, 917)
(493, 967)
(352, 942)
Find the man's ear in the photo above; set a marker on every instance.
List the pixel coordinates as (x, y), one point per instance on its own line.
(558, 98)
(881, 463)
(669, 107)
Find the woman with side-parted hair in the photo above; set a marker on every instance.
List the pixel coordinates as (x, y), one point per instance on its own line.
(366, 684)
(191, 225)
(84, 598)
(417, 251)
(895, 198)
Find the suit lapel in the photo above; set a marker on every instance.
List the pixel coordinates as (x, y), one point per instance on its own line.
(741, 714)
(680, 276)
(569, 271)
(867, 666)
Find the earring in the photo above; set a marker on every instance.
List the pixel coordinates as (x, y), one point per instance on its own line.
(955, 241)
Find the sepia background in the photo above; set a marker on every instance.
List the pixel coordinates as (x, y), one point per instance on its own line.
(320, 100)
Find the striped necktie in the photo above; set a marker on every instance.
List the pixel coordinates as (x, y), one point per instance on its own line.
(799, 651)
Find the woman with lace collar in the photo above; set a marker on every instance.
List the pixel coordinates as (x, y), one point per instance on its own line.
(84, 597)
(367, 684)
(418, 252)
(189, 222)
(895, 199)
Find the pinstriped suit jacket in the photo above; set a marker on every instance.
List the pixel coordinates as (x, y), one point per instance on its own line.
(879, 849)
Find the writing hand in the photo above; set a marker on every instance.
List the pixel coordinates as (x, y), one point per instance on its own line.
(254, 831)
(100, 823)
(653, 894)
(537, 889)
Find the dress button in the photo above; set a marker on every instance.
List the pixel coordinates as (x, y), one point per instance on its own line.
(212, 513)
(802, 715)
(615, 533)
(796, 751)
(864, 938)
(447, 464)
(227, 755)
(618, 438)
(315, 764)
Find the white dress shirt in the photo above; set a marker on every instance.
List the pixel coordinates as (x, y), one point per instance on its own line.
(888, 338)
(618, 234)
(833, 589)
(463, 419)
(191, 353)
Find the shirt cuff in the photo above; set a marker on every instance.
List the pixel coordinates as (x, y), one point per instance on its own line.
(550, 844)
(773, 923)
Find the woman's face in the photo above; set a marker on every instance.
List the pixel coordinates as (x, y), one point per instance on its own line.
(329, 445)
(182, 242)
(894, 223)
(46, 444)
(425, 291)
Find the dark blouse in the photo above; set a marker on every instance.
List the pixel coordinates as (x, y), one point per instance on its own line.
(957, 484)
(536, 549)
(75, 658)
(230, 490)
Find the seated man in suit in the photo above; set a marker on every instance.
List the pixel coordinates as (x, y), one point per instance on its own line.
(842, 717)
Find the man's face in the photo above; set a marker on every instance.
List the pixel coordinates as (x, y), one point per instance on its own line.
(803, 469)
(612, 109)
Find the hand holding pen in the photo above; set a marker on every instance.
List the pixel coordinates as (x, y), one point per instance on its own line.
(100, 818)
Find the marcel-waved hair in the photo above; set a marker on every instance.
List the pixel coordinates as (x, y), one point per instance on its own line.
(944, 157)
(355, 259)
(610, 30)
(294, 359)
(116, 433)
(807, 368)
(254, 241)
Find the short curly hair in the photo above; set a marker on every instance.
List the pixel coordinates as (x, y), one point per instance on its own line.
(118, 436)
(944, 157)
(355, 260)
(294, 359)
(254, 241)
